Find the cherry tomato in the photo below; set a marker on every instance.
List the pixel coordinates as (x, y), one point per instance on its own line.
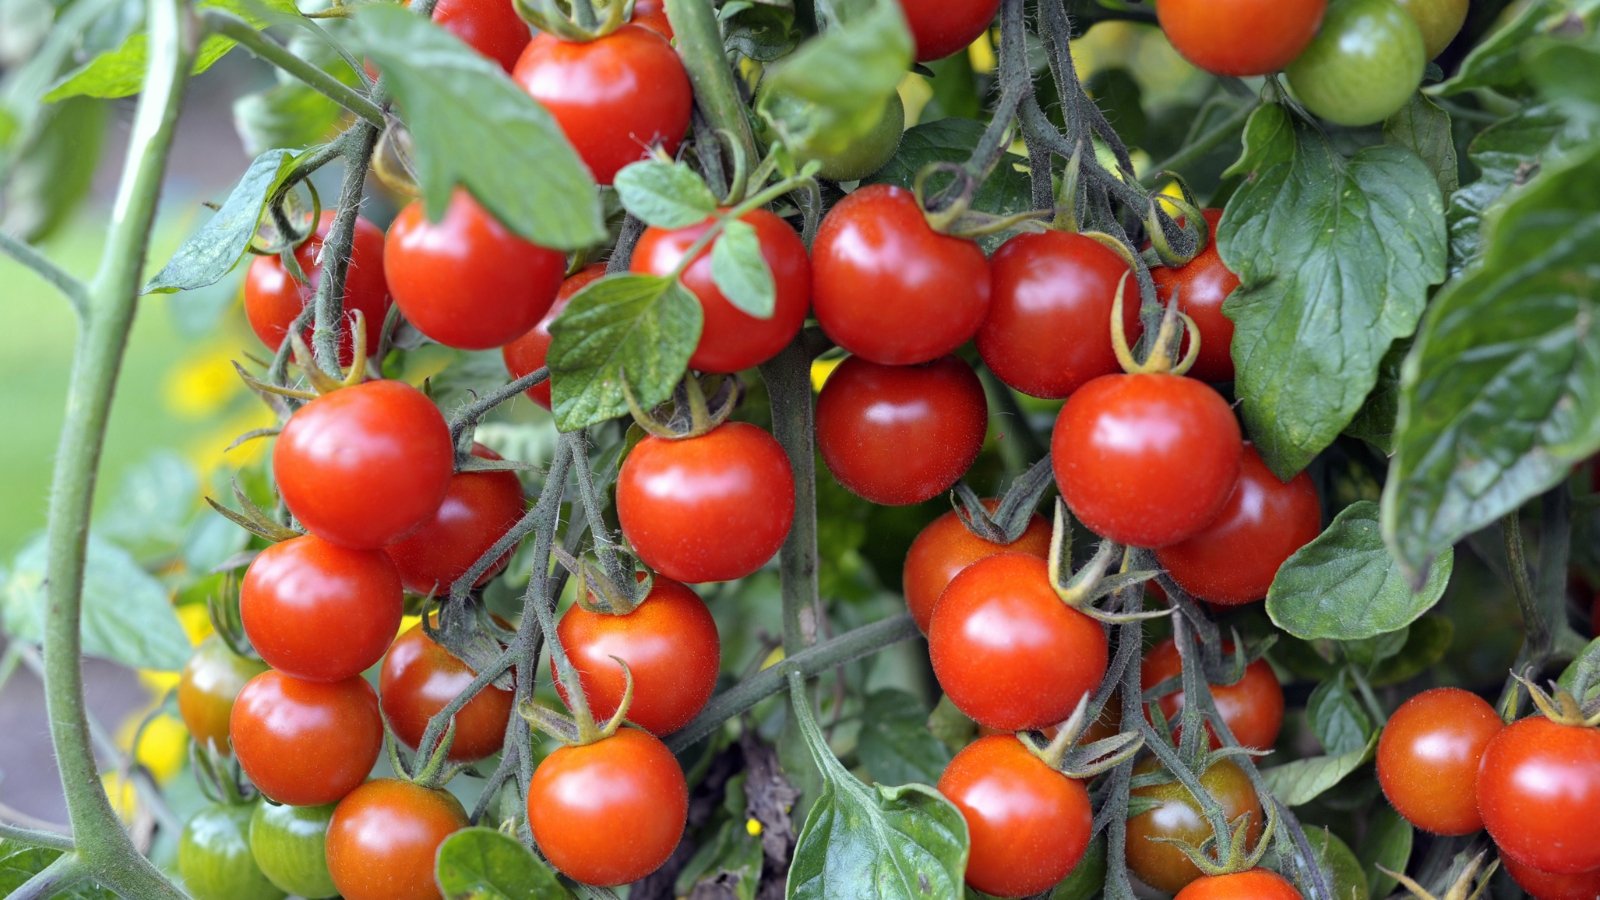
(1240, 37)
(1007, 651)
(1428, 759)
(420, 677)
(466, 281)
(491, 27)
(942, 27)
(1202, 285)
(652, 14)
(214, 857)
(1163, 866)
(869, 416)
(582, 798)
(526, 354)
(301, 593)
(1257, 884)
(1029, 823)
(478, 509)
(306, 743)
(364, 466)
(868, 153)
(614, 97)
(211, 680)
(1546, 886)
(273, 299)
(289, 844)
(1539, 794)
(946, 547)
(384, 836)
(1439, 20)
(1048, 330)
(1263, 523)
(1146, 460)
(889, 288)
(1252, 706)
(732, 340)
(709, 508)
(1364, 65)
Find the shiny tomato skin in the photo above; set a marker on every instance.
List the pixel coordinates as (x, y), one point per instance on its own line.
(420, 677)
(384, 837)
(942, 27)
(289, 843)
(1252, 706)
(652, 14)
(214, 857)
(582, 798)
(1240, 37)
(709, 508)
(945, 547)
(1256, 884)
(1234, 560)
(1548, 886)
(491, 27)
(466, 281)
(613, 97)
(890, 289)
(306, 743)
(1164, 866)
(1539, 794)
(1029, 824)
(732, 340)
(1048, 331)
(273, 300)
(364, 466)
(1146, 460)
(478, 509)
(1439, 20)
(1428, 759)
(1007, 651)
(1364, 66)
(869, 415)
(210, 682)
(526, 354)
(1201, 286)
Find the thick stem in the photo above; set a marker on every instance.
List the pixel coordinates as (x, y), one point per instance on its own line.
(31, 837)
(788, 378)
(1538, 635)
(336, 249)
(74, 290)
(273, 52)
(53, 880)
(467, 417)
(699, 41)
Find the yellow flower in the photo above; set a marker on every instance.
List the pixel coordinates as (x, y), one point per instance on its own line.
(162, 746)
(124, 797)
(211, 450)
(752, 827)
(196, 622)
(821, 369)
(202, 384)
(981, 52)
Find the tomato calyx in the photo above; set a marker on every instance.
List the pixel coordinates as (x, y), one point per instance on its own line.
(1091, 583)
(252, 518)
(1003, 521)
(321, 382)
(584, 23)
(579, 729)
(1466, 886)
(1560, 705)
(1229, 853)
(949, 210)
(1063, 754)
(219, 775)
(611, 587)
(1163, 355)
(692, 411)
(1190, 220)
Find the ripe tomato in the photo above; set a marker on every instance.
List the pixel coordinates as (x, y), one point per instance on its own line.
(420, 677)
(582, 798)
(1029, 823)
(1257, 884)
(211, 680)
(1539, 794)
(478, 509)
(1428, 759)
(1439, 20)
(318, 611)
(732, 340)
(1048, 328)
(289, 844)
(1252, 706)
(214, 857)
(384, 836)
(273, 299)
(1364, 65)
(466, 281)
(1240, 37)
(613, 97)
(869, 416)
(1007, 651)
(365, 465)
(1163, 866)
(1263, 523)
(709, 508)
(1202, 285)
(526, 354)
(652, 14)
(1146, 460)
(946, 547)
(306, 743)
(491, 27)
(889, 288)
(1547, 886)
(670, 644)
(942, 27)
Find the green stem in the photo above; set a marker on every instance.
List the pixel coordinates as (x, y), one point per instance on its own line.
(53, 880)
(273, 52)
(31, 837)
(37, 263)
(699, 41)
(336, 248)
(1204, 144)
(1536, 628)
(788, 378)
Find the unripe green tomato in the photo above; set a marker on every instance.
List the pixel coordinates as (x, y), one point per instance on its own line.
(1440, 21)
(214, 857)
(1364, 64)
(870, 152)
(288, 843)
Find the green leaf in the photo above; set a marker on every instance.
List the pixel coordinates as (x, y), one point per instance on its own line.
(1588, 658)
(639, 327)
(666, 195)
(48, 173)
(1087, 879)
(950, 725)
(154, 502)
(483, 864)
(1345, 585)
(471, 125)
(1304, 780)
(1497, 61)
(896, 746)
(18, 863)
(212, 252)
(760, 29)
(1336, 717)
(1424, 129)
(741, 272)
(1427, 640)
(1387, 844)
(1336, 858)
(1005, 192)
(1374, 423)
(284, 115)
(1335, 257)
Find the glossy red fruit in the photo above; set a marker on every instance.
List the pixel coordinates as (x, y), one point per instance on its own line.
(1428, 759)
(526, 354)
(709, 508)
(1240, 37)
(366, 465)
(732, 340)
(478, 509)
(491, 27)
(942, 27)
(1029, 824)
(1256, 884)
(1539, 794)
(306, 743)
(1252, 706)
(652, 14)
(1177, 816)
(898, 435)
(211, 681)
(1048, 331)
(384, 837)
(947, 546)
(890, 289)
(1548, 886)
(1146, 460)
(420, 677)
(273, 299)
(1202, 285)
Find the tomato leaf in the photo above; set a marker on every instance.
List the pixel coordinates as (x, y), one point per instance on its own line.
(1497, 61)
(666, 195)
(760, 29)
(896, 745)
(1425, 129)
(149, 515)
(741, 272)
(284, 115)
(1336, 717)
(47, 173)
(1299, 782)
(1427, 640)
(1387, 845)
(19, 862)
(1374, 423)
(1087, 879)
(1334, 856)
(210, 253)
(483, 864)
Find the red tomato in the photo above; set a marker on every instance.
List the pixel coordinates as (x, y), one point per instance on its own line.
(1202, 285)
(889, 288)
(709, 508)
(1007, 651)
(478, 509)
(526, 354)
(869, 416)
(366, 465)
(491, 27)
(614, 97)
(273, 299)
(1428, 759)
(942, 27)
(1049, 326)
(581, 799)
(1177, 816)
(1146, 460)
(946, 547)
(652, 14)
(384, 836)
(1539, 794)
(1546, 886)
(1257, 884)
(1263, 523)
(420, 677)
(1029, 823)
(670, 644)
(1252, 706)
(466, 281)
(211, 680)
(306, 743)
(298, 594)
(1240, 37)
(732, 340)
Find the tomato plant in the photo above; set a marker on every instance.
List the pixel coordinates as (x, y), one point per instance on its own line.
(306, 743)
(273, 298)
(1364, 65)
(1252, 707)
(289, 843)
(383, 838)
(1177, 816)
(1241, 37)
(1429, 755)
(477, 511)
(419, 677)
(945, 547)
(526, 354)
(211, 681)
(1201, 285)
(1538, 788)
